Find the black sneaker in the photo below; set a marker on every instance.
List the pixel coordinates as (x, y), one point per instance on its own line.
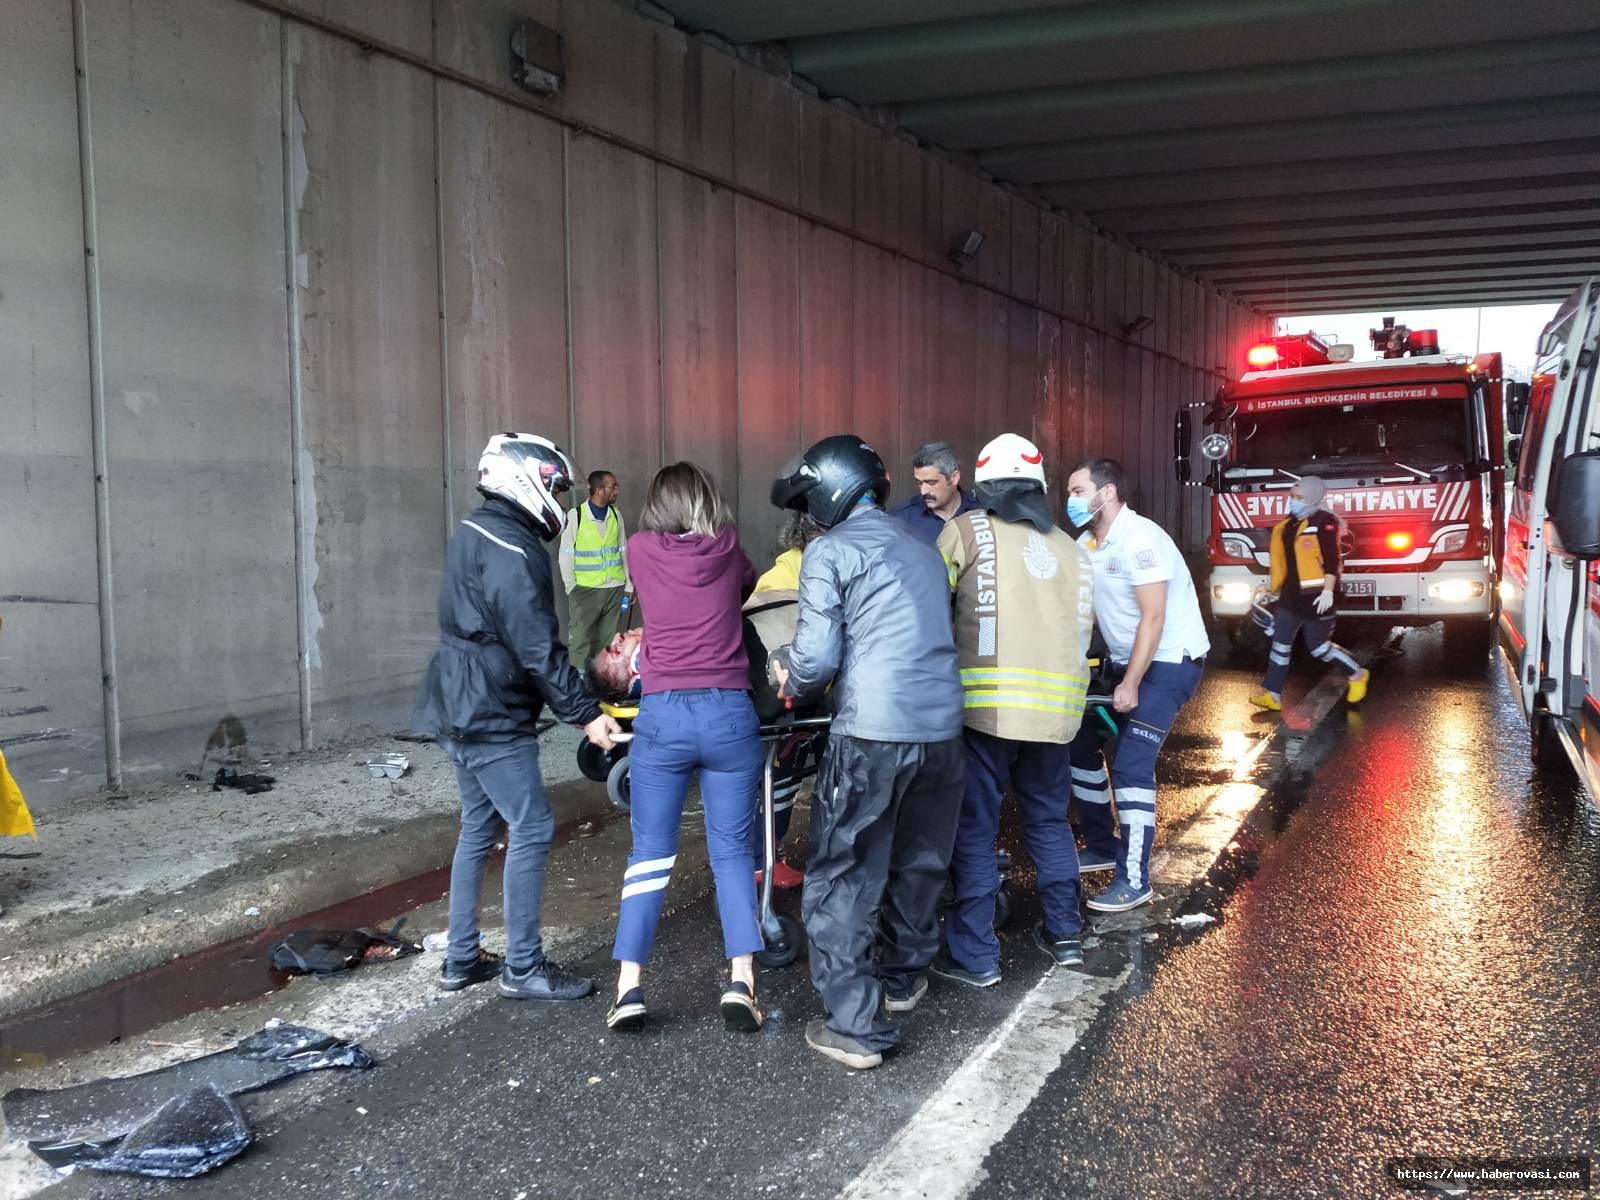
(454, 976)
(904, 999)
(740, 1011)
(948, 968)
(628, 1012)
(853, 1054)
(1067, 952)
(546, 981)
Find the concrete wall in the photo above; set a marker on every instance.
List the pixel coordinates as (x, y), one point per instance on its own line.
(322, 272)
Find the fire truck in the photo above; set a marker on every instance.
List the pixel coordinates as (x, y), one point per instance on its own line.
(1551, 591)
(1412, 449)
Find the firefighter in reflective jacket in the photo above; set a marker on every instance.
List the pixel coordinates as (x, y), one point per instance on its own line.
(1305, 575)
(1024, 609)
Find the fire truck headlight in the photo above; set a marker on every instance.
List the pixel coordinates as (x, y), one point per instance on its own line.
(1451, 542)
(1232, 594)
(1456, 591)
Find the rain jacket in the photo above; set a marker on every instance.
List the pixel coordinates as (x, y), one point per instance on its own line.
(500, 659)
(783, 575)
(875, 621)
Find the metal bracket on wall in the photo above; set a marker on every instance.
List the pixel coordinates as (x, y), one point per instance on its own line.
(537, 61)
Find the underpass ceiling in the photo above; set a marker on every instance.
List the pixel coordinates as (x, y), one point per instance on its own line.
(1306, 155)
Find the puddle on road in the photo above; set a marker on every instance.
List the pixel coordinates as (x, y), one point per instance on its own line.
(221, 975)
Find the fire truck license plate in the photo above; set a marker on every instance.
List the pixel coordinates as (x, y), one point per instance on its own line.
(1359, 587)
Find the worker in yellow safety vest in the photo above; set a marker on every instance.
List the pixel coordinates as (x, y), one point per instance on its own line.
(594, 568)
(1024, 609)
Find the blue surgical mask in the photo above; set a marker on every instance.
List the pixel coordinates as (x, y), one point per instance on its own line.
(1079, 512)
(1300, 509)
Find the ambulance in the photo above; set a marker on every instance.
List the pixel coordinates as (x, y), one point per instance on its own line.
(1550, 620)
(1412, 449)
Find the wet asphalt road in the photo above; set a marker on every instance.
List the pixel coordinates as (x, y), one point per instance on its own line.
(1403, 964)
(1409, 969)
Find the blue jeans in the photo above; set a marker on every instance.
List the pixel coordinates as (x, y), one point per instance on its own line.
(713, 731)
(500, 785)
(1037, 774)
(1318, 634)
(1165, 688)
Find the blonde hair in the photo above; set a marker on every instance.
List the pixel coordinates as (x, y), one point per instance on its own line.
(683, 498)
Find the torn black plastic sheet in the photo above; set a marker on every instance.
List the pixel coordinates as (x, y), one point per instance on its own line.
(95, 1117)
(187, 1136)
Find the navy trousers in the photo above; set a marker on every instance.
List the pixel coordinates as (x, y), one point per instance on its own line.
(1164, 690)
(1037, 775)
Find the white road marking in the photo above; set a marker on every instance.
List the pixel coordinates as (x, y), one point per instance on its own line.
(941, 1150)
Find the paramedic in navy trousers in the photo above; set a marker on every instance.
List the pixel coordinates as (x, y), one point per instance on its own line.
(1149, 616)
(500, 661)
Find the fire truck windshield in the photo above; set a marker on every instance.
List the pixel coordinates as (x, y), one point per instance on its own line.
(1428, 435)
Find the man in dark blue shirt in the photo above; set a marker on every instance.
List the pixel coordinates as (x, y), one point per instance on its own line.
(939, 497)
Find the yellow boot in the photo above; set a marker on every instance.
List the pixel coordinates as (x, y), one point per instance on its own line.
(1265, 699)
(1356, 690)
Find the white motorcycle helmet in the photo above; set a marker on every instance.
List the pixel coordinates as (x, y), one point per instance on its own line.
(530, 471)
(1010, 456)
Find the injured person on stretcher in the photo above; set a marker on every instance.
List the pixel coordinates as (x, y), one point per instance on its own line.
(769, 624)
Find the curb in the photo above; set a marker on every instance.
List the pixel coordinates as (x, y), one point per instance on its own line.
(215, 915)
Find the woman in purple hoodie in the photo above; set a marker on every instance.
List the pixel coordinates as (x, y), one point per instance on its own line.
(696, 714)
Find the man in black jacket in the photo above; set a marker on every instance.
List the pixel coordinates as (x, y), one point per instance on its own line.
(500, 661)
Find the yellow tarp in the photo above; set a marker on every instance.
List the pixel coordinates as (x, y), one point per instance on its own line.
(15, 820)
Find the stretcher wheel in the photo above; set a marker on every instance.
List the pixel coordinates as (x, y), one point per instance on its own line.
(617, 785)
(1002, 907)
(784, 950)
(593, 762)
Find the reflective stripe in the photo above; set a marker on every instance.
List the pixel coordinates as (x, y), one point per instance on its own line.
(649, 866)
(1135, 854)
(1000, 700)
(1091, 795)
(1045, 679)
(1084, 775)
(645, 885)
(495, 540)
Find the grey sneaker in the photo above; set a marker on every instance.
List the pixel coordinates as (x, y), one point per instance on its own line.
(1120, 897)
(454, 976)
(1066, 952)
(546, 981)
(899, 1001)
(840, 1048)
(948, 968)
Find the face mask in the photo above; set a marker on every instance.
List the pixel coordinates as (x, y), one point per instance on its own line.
(1300, 509)
(1079, 512)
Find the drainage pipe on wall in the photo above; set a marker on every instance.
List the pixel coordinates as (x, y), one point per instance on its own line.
(304, 521)
(111, 713)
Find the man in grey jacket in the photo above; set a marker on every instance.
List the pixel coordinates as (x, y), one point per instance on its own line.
(875, 623)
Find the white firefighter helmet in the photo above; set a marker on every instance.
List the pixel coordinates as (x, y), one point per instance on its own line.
(1009, 456)
(530, 471)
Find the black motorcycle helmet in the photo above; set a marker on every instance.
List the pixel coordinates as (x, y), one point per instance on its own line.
(827, 480)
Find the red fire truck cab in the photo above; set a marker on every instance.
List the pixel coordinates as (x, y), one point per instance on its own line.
(1412, 449)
